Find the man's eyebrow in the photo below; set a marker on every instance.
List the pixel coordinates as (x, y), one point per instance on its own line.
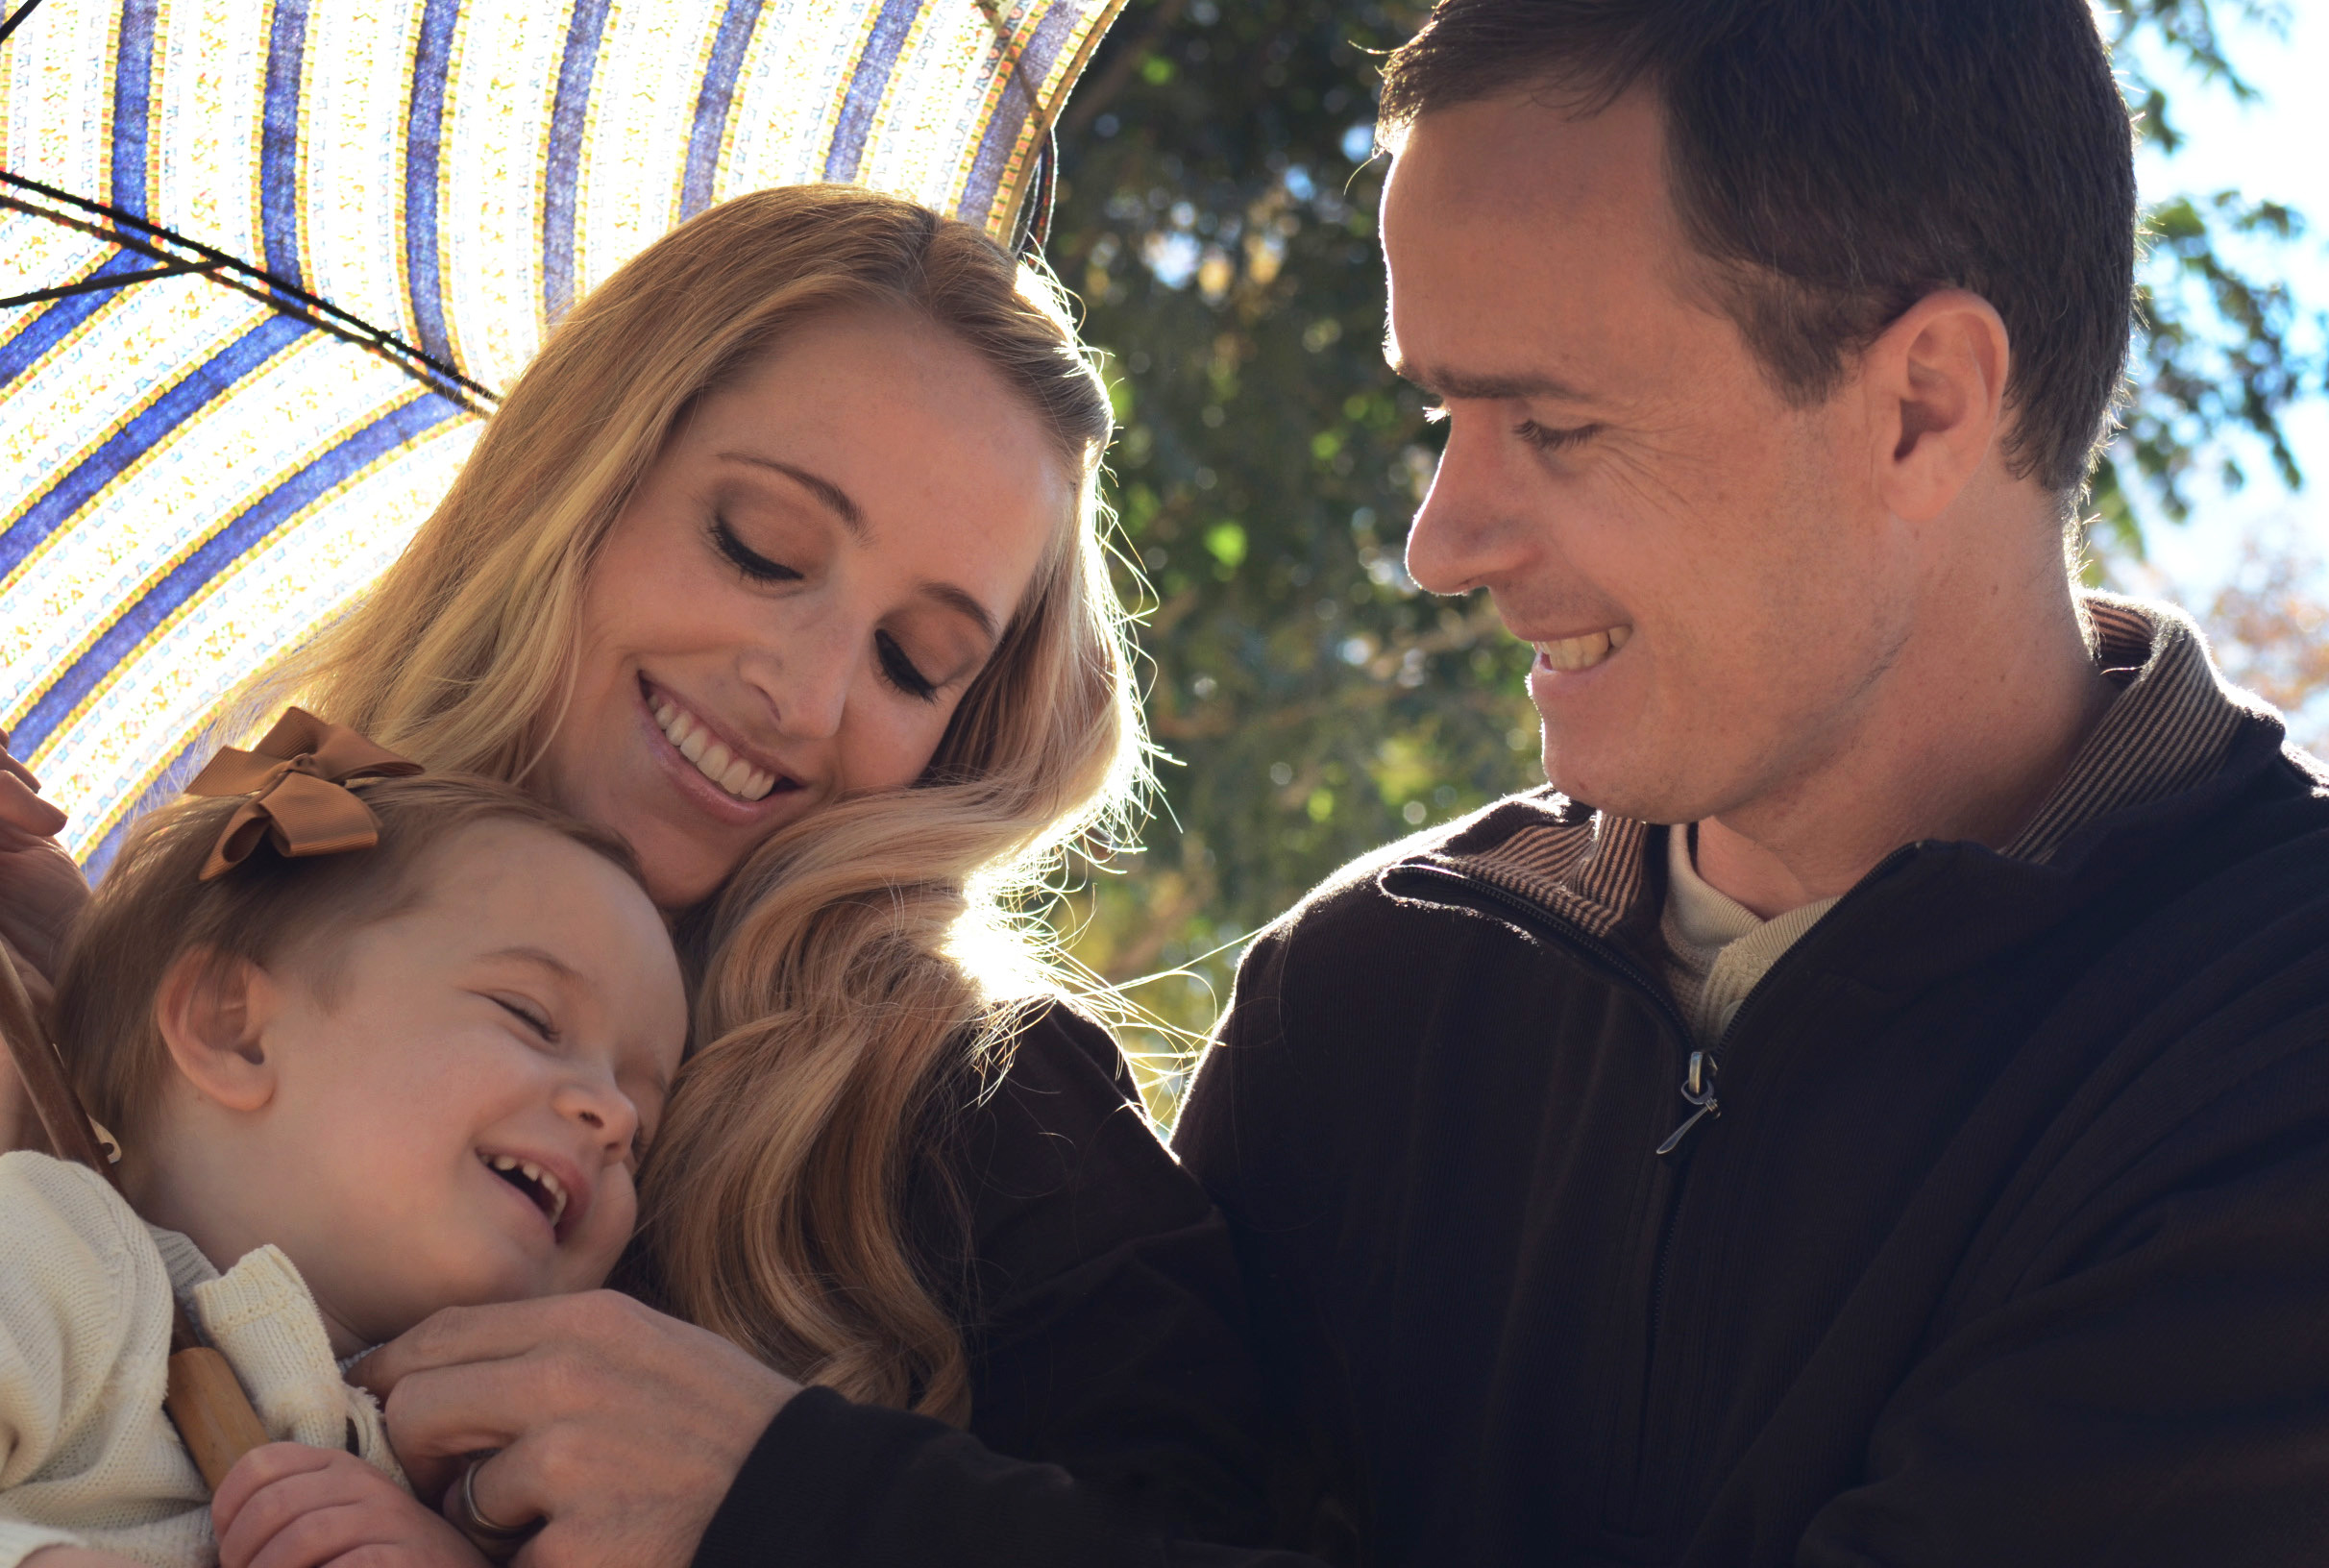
(946, 594)
(834, 498)
(1457, 383)
(540, 957)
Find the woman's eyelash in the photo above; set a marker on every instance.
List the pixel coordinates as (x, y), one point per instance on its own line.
(900, 672)
(1545, 439)
(751, 563)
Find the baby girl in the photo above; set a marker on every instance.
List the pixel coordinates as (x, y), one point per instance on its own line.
(367, 1052)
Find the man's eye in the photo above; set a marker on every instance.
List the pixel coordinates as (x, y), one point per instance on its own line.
(747, 561)
(1546, 439)
(899, 670)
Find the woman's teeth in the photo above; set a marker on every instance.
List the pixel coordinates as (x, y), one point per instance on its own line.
(1572, 653)
(732, 774)
(544, 1184)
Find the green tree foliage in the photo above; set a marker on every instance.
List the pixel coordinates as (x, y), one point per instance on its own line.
(1217, 214)
(2222, 347)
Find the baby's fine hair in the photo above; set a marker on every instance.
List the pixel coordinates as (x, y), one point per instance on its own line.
(153, 907)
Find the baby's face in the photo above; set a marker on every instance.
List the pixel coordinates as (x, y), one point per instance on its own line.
(460, 1110)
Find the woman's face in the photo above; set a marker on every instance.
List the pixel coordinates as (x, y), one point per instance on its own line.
(796, 598)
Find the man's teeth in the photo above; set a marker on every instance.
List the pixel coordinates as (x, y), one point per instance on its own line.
(1572, 653)
(732, 774)
(541, 1178)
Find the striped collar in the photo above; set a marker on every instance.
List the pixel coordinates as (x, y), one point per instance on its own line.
(2167, 730)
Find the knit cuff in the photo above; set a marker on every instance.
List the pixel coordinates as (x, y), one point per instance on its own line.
(19, 1541)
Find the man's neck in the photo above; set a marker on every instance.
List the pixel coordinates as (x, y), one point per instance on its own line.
(1964, 744)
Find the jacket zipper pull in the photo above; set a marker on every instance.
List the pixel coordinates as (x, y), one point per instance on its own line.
(1698, 1088)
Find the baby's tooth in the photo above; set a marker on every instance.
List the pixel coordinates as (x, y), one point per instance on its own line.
(715, 760)
(534, 1172)
(502, 1162)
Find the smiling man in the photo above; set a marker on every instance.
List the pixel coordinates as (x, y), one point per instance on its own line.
(1873, 1107)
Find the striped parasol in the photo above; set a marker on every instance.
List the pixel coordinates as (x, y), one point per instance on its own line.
(267, 264)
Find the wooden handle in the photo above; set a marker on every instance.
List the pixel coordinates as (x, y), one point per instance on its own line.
(43, 1074)
(213, 1414)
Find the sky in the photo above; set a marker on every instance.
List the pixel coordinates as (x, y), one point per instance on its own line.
(2277, 148)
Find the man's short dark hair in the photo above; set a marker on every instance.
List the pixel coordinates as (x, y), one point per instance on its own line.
(1839, 159)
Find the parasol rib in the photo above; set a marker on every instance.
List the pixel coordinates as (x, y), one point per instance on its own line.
(92, 286)
(10, 22)
(286, 298)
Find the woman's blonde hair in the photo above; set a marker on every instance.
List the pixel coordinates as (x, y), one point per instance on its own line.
(862, 959)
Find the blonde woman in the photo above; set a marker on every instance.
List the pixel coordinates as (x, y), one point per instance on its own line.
(782, 562)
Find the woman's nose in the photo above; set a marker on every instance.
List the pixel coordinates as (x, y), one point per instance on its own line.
(806, 680)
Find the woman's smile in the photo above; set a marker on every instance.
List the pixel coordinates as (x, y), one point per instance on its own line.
(740, 784)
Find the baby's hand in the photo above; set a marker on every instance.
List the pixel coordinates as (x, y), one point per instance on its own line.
(287, 1505)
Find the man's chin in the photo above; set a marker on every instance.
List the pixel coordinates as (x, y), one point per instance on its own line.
(1636, 788)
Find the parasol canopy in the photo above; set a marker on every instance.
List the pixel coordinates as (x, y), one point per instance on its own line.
(265, 267)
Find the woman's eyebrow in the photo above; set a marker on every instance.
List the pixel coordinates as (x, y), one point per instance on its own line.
(834, 498)
(959, 599)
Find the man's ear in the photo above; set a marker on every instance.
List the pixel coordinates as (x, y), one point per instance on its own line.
(211, 1012)
(1936, 382)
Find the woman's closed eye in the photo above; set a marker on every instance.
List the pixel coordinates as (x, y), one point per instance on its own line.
(755, 566)
(900, 672)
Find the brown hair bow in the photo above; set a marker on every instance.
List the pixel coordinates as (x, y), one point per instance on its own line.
(297, 782)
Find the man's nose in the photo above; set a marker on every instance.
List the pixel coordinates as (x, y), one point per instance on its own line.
(1467, 533)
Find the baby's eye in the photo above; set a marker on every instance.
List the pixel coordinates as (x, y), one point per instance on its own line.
(540, 1024)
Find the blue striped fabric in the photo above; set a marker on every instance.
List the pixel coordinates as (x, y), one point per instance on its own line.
(279, 143)
(425, 130)
(393, 200)
(563, 166)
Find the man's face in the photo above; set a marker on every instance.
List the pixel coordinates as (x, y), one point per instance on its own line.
(1713, 585)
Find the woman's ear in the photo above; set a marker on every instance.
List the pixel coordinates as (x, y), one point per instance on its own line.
(213, 1011)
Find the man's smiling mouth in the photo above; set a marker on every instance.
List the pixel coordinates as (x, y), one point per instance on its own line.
(1573, 653)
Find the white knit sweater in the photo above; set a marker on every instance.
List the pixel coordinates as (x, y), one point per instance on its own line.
(87, 1457)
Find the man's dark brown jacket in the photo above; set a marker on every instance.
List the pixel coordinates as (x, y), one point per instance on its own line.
(2007, 1243)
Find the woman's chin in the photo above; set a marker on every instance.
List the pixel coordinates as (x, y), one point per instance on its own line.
(675, 885)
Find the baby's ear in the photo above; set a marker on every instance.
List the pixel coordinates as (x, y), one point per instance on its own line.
(211, 1010)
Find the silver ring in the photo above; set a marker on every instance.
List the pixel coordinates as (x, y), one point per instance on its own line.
(499, 1542)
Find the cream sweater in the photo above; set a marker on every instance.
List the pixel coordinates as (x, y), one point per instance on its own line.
(1718, 948)
(87, 1457)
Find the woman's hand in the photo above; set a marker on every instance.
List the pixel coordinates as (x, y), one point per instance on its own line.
(287, 1505)
(620, 1427)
